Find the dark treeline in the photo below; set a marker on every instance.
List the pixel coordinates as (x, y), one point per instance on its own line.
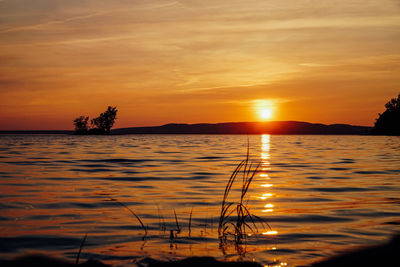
(388, 123)
(100, 125)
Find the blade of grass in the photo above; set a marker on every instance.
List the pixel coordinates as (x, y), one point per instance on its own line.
(244, 220)
(190, 221)
(161, 221)
(224, 208)
(133, 213)
(80, 249)
(178, 229)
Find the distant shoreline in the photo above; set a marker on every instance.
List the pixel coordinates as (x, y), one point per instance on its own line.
(273, 127)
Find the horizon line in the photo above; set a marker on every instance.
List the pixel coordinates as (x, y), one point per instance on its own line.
(181, 123)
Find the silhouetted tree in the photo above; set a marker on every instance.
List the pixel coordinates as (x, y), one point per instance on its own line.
(103, 123)
(388, 122)
(81, 125)
(100, 125)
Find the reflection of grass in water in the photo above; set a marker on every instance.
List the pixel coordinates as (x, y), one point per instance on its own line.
(244, 221)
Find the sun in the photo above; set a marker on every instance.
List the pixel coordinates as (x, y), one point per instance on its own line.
(266, 113)
(264, 109)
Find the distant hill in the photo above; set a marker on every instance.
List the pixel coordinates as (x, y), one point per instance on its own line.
(274, 127)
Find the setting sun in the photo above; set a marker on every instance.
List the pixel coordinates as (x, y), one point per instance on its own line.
(264, 109)
(265, 114)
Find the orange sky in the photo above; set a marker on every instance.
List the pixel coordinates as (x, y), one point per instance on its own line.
(191, 61)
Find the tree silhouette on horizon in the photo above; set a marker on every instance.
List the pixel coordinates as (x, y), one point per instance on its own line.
(81, 125)
(105, 121)
(100, 125)
(388, 123)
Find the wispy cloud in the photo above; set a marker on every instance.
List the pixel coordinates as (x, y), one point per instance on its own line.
(45, 25)
(197, 60)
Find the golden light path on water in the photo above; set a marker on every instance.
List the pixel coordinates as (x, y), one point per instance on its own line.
(264, 176)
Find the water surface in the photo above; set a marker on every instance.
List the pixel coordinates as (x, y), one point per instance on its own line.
(320, 195)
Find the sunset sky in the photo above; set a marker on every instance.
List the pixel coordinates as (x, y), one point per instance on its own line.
(192, 61)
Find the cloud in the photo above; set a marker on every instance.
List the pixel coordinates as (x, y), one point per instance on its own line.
(47, 24)
(191, 54)
(315, 65)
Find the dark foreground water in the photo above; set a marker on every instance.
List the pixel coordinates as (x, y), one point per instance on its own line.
(319, 194)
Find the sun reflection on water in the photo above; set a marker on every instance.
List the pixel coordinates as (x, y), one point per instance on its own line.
(267, 185)
(271, 232)
(277, 265)
(264, 176)
(265, 167)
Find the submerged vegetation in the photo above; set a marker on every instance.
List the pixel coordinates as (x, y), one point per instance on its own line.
(100, 125)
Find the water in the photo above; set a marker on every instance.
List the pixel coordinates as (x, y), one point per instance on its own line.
(319, 194)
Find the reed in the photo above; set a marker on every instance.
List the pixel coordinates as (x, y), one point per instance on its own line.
(161, 222)
(243, 221)
(190, 222)
(173, 233)
(133, 213)
(178, 229)
(80, 249)
(235, 219)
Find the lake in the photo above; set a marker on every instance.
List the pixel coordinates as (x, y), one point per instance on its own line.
(320, 195)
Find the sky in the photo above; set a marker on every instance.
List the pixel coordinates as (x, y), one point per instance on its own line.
(195, 61)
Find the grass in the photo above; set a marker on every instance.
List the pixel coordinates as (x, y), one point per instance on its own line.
(235, 218)
(174, 232)
(133, 213)
(161, 220)
(190, 222)
(236, 222)
(80, 249)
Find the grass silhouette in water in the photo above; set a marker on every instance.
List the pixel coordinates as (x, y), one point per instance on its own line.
(161, 221)
(236, 222)
(235, 218)
(80, 249)
(174, 232)
(190, 222)
(134, 214)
